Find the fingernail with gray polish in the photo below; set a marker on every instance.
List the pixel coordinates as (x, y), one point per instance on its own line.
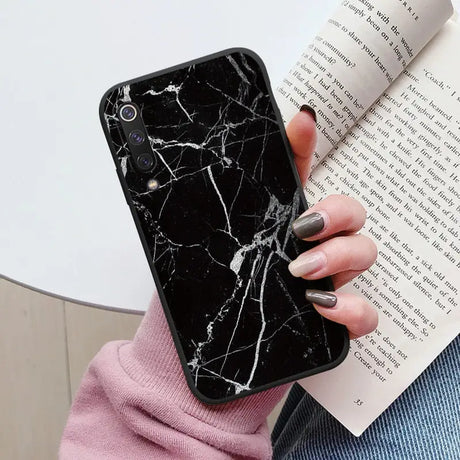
(307, 226)
(310, 110)
(322, 298)
(306, 264)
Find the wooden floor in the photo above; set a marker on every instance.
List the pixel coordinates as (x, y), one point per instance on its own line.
(45, 347)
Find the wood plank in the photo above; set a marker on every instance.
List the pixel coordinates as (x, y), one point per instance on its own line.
(34, 385)
(88, 329)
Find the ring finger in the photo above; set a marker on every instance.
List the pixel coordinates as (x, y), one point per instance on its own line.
(353, 253)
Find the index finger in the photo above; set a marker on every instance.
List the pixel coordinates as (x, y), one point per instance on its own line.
(336, 214)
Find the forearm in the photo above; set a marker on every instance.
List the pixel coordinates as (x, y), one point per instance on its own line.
(134, 402)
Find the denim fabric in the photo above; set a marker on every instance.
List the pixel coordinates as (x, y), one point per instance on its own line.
(423, 423)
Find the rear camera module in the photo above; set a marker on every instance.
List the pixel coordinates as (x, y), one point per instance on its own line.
(128, 112)
(145, 161)
(136, 137)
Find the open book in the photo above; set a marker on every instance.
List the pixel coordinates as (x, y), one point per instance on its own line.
(384, 79)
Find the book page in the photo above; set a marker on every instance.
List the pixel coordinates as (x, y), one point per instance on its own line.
(356, 56)
(402, 162)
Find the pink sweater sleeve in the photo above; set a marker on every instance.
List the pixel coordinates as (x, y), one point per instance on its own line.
(134, 403)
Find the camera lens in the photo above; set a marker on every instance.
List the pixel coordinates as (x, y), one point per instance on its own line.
(136, 137)
(145, 161)
(128, 112)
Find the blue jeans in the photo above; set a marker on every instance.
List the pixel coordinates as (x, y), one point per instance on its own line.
(423, 423)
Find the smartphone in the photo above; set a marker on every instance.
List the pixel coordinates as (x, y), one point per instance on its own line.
(207, 171)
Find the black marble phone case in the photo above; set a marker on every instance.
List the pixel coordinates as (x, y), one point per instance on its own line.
(217, 232)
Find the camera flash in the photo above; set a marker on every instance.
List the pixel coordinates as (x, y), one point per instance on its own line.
(152, 184)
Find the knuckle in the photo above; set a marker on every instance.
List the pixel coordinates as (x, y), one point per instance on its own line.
(362, 214)
(375, 319)
(339, 205)
(348, 212)
(357, 210)
(371, 250)
(368, 252)
(355, 213)
(360, 313)
(349, 220)
(371, 323)
(334, 197)
(374, 252)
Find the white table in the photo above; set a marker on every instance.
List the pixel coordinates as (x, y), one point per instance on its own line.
(64, 226)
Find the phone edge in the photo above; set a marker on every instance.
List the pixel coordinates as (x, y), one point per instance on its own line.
(145, 246)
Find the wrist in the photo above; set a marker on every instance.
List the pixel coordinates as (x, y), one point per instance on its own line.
(152, 361)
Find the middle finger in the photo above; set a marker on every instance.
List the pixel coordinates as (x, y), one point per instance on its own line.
(336, 214)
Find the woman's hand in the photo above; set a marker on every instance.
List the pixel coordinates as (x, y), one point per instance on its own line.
(342, 254)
